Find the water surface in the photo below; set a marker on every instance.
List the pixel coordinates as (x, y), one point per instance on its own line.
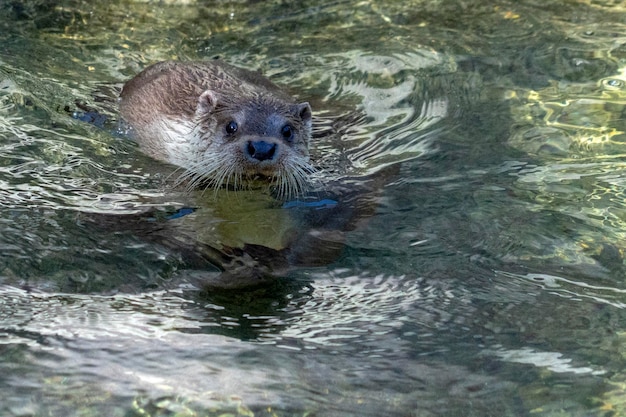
(486, 276)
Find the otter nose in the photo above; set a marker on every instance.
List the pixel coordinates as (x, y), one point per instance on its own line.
(261, 150)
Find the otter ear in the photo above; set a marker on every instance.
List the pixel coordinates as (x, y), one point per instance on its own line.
(206, 102)
(304, 111)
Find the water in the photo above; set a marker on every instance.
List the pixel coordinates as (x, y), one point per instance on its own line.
(486, 273)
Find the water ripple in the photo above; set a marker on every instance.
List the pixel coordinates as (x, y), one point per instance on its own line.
(572, 289)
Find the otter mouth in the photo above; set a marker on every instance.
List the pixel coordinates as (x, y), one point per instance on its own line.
(259, 178)
(260, 173)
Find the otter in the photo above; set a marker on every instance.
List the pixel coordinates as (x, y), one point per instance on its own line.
(232, 129)
(225, 126)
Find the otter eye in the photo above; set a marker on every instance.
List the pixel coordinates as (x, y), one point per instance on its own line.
(287, 132)
(231, 127)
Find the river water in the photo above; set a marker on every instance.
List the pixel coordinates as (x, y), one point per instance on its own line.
(486, 276)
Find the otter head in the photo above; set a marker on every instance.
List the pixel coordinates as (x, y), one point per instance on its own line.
(241, 140)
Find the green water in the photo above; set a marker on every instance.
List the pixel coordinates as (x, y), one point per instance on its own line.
(489, 280)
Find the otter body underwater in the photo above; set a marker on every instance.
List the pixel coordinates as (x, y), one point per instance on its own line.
(225, 126)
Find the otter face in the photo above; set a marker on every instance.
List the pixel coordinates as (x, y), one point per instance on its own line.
(265, 139)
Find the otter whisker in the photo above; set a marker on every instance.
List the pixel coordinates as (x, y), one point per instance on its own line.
(282, 184)
(229, 174)
(180, 174)
(296, 178)
(210, 171)
(291, 182)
